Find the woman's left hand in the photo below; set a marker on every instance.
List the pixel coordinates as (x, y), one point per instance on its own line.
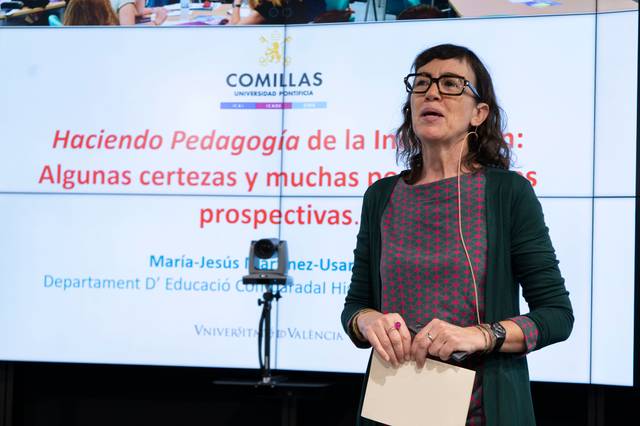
(440, 339)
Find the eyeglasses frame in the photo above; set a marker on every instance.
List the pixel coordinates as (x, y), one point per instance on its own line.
(436, 80)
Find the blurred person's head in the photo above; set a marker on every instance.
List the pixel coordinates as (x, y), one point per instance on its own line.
(421, 11)
(89, 12)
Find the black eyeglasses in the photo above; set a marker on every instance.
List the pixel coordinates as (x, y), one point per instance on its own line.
(452, 85)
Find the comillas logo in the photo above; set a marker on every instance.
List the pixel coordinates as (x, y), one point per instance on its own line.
(274, 52)
(271, 78)
(275, 80)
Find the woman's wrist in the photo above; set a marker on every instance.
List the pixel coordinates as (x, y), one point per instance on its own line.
(491, 338)
(486, 340)
(354, 324)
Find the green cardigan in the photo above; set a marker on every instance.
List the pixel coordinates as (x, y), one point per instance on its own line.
(519, 251)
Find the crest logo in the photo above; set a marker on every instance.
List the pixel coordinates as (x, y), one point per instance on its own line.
(272, 80)
(274, 51)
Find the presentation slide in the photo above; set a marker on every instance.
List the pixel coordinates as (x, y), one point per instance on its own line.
(132, 181)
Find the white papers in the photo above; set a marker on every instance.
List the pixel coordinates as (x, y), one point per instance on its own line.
(438, 394)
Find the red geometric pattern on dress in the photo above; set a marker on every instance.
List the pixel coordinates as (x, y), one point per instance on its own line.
(423, 267)
(530, 331)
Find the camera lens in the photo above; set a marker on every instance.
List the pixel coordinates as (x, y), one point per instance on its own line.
(265, 248)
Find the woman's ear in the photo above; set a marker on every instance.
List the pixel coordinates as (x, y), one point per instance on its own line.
(480, 114)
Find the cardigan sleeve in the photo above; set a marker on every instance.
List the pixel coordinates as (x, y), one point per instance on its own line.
(535, 267)
(530, 331)
(359, 295)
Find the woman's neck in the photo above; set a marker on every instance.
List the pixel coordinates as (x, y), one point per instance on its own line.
(440, 161)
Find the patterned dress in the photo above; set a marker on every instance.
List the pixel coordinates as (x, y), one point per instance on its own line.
(424, 270)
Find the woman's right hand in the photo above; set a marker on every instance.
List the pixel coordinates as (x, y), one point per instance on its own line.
(392, 342)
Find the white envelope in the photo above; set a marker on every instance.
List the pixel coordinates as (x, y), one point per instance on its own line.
(436, 395)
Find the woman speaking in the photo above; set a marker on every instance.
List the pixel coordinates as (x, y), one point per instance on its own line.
(444, 246)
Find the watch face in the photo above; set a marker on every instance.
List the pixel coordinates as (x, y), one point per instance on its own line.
(498, 330)
(500, 334)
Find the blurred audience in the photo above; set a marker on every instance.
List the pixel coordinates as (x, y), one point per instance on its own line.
(89, 12)
(129, 11)
(111, 12)
(277, 12)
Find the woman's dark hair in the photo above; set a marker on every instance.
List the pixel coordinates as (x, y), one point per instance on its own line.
(487, 148)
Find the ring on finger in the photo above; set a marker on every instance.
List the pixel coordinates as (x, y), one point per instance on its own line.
(396, 326)
(429, 336)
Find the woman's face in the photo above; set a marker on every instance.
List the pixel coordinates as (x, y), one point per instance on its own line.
(438, 118)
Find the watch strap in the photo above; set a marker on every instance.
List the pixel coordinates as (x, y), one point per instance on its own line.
(500, 334)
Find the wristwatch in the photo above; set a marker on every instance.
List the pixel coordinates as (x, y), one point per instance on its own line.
(499, 333)
(237, 4)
